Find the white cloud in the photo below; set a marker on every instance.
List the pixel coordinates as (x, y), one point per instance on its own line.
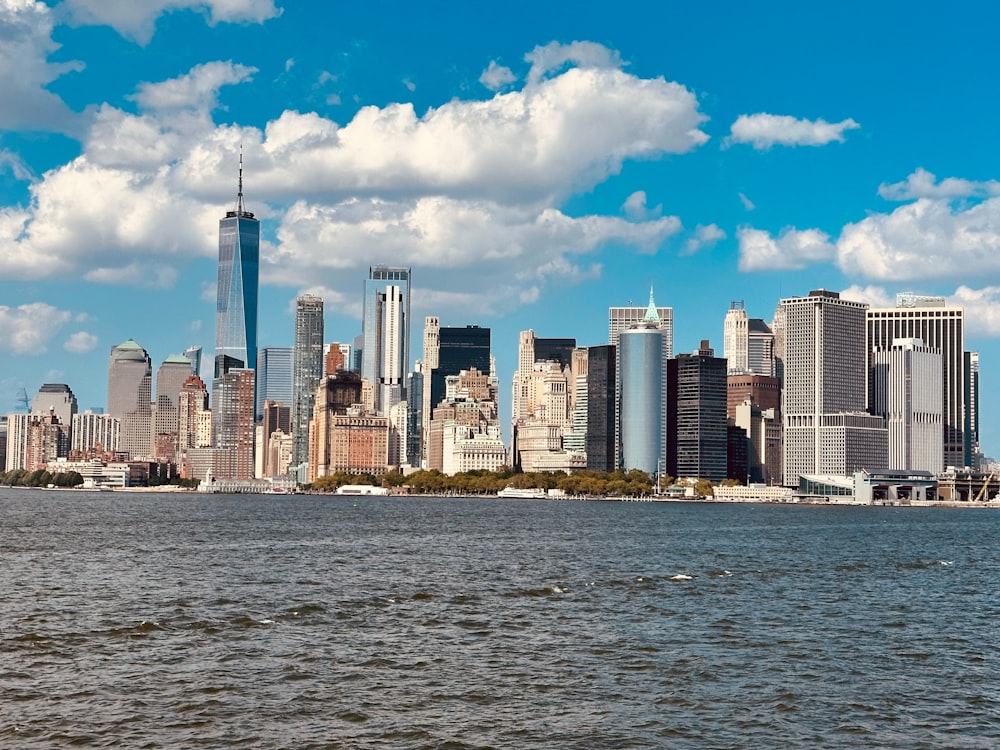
(923, 184)
(553, 57)
(16, 165)
(764, 130)
(704, 236)
(467, 183)
(495, 77)
(635, 207)
(137, 19)
(874, 296)
(410, 85)
(80, 342)
(747, 203)
(197, 90)
(27, 329)
(26, 30)
(792, 249)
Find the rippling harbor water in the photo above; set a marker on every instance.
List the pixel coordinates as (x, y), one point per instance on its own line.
(155, 621)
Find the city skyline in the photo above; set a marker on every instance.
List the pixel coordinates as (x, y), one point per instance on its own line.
(532, 173)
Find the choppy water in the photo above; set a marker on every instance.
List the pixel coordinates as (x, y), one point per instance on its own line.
(320, 622)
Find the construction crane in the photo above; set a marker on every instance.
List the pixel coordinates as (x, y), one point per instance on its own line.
(23, 403)
(983, 494)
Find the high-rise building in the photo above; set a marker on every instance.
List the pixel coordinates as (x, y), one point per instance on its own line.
(939, 327)
(170, 377)
(827, 430)
(337, 357)
(307, 370)
(130, 378)
(465, 429)
(274, 377)
(193, 355)
(275, 420)
(57, 397)
(973, 456)
(192, 402)
(621, 319)
(642, 399)
(748, 343)
(696, 416)
(233, 406)
(385, 325)
(94, 435)
(232, 410)
(601, 369)
(236, 300)
(459, 349)
(432, 345)
(905, 389)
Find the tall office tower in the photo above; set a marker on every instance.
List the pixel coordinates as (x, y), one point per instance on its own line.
(334, 396)
(973, 456)
(905, 390)
(337, 357)
(17, 441)
(130, 379)
(414, 413)
(748, 343)
(600, 446)
(236, 300)
(192, 401)
(762, 431)
(432, 345)
(276, 419)
(170, 377)
(826, 427)
(307, 370)
(641, 404)
(274, 377)
(233, 418)
(764, 391)
(465, 430)
(385, 327)
(193, 355)
(621, 319)
(92, 432)
(3, 440)
(696, 416)
(58, 397)
(939, 327)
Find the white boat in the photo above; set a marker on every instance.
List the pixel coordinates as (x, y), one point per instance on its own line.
(531, 493)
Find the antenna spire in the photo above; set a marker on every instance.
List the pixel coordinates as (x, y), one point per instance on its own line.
(239, 194)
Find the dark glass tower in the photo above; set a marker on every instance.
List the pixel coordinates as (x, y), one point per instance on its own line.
(236, 303)
(459, 349)
(307, 371)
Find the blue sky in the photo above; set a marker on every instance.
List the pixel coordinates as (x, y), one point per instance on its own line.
(533, 163)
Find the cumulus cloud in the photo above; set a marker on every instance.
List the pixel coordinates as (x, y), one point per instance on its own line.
(466, 183)
(703, 236)
(934, 237)
(80, 342)
(792, 249)
(764, 130)
(137, 20)
(981, 306)
(923, 184)
(635, 207)
(495, 77)
(27, 329)
(873, 296)
(553, 57)
(25, 72)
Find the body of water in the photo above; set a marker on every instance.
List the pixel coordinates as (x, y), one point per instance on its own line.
(156, 621)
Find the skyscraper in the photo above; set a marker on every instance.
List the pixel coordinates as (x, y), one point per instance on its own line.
(905, 389)
(170, 377)
(621, 319)
(307, 370)
(973, 457)
(274, 377)
(130, 385)
(696, 415)
(236, 300)
(58, 397)
(641, 403)
(193, 355)
(385, 325)
(600, 446)
(236, 340)
(747, 343)
(459, 349)
(827, 429)
(939, 327)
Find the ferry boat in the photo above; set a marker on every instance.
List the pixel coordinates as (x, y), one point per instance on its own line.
(529, 493)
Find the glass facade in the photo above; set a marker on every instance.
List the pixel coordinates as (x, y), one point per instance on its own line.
(274, 377)
(459, 349)
(642, 398)
(307, 369)
(385, 331)
(236, 301)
